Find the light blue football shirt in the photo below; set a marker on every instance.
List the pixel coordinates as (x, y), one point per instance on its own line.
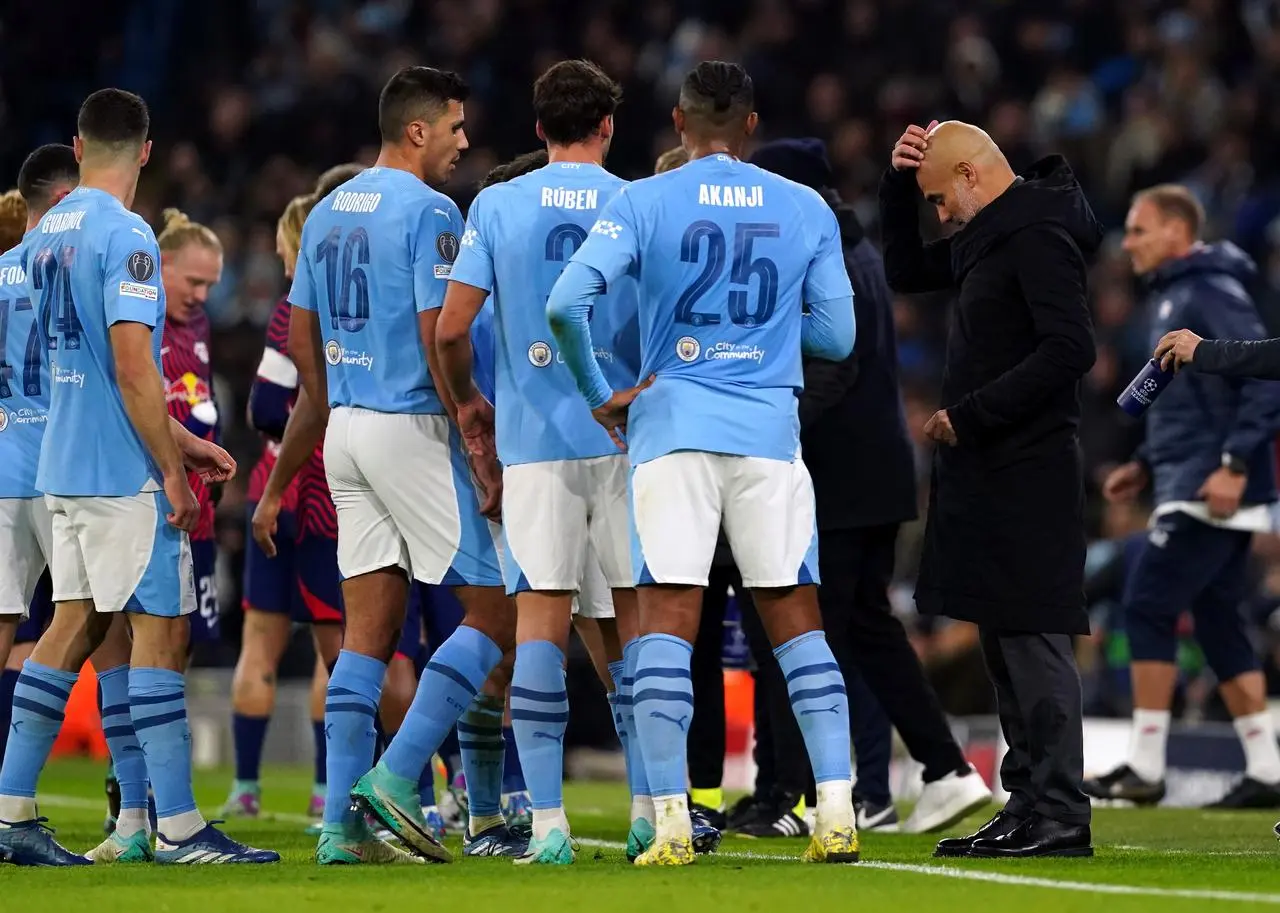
(726, 254)
(92, 264)
(483, 350)
(375, 253)
(24, 379)
(519, 236)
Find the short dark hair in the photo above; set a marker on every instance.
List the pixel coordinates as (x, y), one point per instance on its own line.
(1175, 202)
(521, 164)
(114, 117)
(717, 93)
(571, 99)
(334, 178)
(44, 169)
(417, 93)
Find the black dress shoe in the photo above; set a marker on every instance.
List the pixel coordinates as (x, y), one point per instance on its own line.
(1036, 836)
(998, 826)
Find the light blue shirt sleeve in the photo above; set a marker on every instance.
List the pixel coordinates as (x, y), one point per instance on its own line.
(568, 308)
(303, 291)
(435, 250)
(828, 329)
(131, 288)
(474, 266)
(612, 247)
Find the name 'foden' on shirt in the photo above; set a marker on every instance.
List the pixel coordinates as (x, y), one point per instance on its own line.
(567, 198)
(351, 201)
(727, 195)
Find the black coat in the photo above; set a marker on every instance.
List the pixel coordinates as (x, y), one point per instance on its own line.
(853, 434)
(1004, 542)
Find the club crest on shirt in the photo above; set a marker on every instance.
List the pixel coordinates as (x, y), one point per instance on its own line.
(332, 352)
(687, 348)
(447, 246)
(141, 265)
(539, 354)
(4, 420)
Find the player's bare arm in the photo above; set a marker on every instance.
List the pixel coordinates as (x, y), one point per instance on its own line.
(304, 429)
(143, 394)
(302, 433)
(474, 414)
(212, 462)
(487, 471)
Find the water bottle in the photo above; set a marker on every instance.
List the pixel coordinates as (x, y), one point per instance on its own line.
(734, 653)
(1143, 389)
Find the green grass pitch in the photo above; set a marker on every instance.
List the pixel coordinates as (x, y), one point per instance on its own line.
(1163, 859)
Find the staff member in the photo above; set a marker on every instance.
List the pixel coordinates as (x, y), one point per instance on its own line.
(1004, 542)
(1208, 455)
(1256, 358)
(854, 442)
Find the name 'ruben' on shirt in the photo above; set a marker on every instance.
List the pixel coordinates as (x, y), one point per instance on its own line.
(731, 196)
(571, 197)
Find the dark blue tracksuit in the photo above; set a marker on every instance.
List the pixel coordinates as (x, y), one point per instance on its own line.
(1185, 562)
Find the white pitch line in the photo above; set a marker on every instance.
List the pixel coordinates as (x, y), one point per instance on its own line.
(1026, 881)
(934, 871)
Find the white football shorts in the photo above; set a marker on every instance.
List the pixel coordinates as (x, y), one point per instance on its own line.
(405, 497)
(595, 596)
(554, 512)
(26, 549)
(680, 499)
(121, 553)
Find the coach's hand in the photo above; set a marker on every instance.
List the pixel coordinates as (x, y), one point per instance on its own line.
(265, 516)
(1124, 482)
(909, 151)
(185, 511)
(475, 422)
(939, 429)
(1222, 492)
(1176, 349)
(208, 460)
(486, 472)
(613, 414)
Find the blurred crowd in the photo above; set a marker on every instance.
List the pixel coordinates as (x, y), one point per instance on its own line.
(251, 99)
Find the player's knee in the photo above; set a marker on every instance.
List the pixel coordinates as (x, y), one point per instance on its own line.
(160, 643)
(787, 612)
(490, 611)
(500, 677)
(1152, 631)
(74, 633)
(1226, 648)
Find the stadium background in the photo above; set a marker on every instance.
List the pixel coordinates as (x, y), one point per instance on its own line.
(251, 99)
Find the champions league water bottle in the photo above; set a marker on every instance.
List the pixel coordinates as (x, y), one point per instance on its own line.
(1143, 389)
(734, 651)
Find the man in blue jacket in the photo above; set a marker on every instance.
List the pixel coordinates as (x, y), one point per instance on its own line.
(1208, 454)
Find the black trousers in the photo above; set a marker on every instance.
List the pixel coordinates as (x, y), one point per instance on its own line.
(867, 639)
(1038, 697)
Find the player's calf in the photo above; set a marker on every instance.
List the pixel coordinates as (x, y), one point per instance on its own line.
(663, 707)
(821, 706)
(40, 700)
(540, 712)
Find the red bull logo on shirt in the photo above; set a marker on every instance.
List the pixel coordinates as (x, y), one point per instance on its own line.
(190, 389)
